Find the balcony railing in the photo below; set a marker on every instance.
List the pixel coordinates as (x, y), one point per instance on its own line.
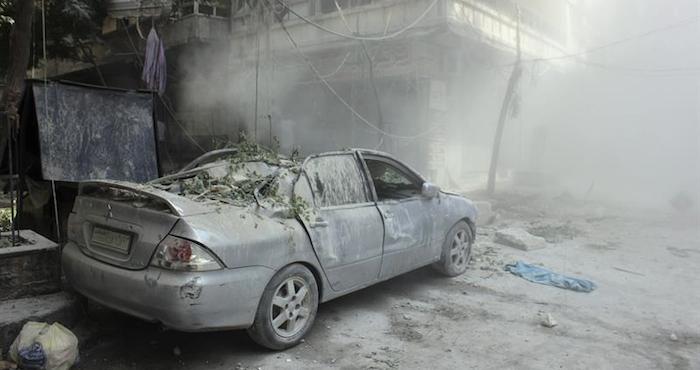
(186, 8)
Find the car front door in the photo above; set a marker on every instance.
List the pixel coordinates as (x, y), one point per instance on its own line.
(345, 227)
(409, 217)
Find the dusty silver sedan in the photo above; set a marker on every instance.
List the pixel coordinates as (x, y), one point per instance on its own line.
(246, 239)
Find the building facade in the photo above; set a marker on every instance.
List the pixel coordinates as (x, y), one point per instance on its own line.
(419, 78)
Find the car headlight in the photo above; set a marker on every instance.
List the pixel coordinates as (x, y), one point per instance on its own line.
(175, 253)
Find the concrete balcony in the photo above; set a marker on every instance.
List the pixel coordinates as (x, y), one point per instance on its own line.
(489, 22)
(471, 19)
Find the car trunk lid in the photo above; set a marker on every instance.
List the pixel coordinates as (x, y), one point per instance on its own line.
(122, 224)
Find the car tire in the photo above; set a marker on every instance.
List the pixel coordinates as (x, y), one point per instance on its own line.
(287, 309)
(456, 250)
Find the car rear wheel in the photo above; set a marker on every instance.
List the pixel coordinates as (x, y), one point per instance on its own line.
(456, 251)
(287, 309)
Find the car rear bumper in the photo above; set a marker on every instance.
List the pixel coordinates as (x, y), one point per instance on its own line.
(187, 301)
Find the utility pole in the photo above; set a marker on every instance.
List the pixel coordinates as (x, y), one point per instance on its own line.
(20, 42)
(507, 99)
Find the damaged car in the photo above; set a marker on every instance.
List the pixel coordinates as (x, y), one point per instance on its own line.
(244, 238)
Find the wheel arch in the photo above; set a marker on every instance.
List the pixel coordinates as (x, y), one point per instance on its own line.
(470, 222)
(315, 271)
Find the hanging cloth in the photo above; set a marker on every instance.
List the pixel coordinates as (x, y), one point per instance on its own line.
(154, 67)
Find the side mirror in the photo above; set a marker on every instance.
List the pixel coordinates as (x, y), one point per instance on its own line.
(430, 190)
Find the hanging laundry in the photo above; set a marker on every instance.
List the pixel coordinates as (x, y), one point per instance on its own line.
(154, 67)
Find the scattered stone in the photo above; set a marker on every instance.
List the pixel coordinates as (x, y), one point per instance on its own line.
(406, 317)
(176, 351)
(519, 238)
(548, 321)
(673, 337)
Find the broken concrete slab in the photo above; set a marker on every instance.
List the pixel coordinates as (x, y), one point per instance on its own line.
(519, 238)
(61, 307)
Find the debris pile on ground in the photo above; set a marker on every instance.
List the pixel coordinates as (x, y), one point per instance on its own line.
(519, 238)
(485, 257)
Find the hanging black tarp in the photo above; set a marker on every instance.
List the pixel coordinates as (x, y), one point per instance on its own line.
(94, 133)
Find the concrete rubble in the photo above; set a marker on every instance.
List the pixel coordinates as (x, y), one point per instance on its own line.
(548, 321)
(519, 238)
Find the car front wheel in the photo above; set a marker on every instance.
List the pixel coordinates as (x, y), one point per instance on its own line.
(287, 309)
(457, 250)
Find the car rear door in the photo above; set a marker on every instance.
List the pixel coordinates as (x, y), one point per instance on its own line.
(409, 217)
(346, 228)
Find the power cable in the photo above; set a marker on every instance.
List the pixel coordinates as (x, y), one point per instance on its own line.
(340, 66)
(370, 61)
(46, 113)
(577, 55)
(358, 36)
(340, 98)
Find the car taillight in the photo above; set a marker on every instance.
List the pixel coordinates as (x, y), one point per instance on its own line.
(175, 253)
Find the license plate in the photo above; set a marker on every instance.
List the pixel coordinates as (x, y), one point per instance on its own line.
(118, 242)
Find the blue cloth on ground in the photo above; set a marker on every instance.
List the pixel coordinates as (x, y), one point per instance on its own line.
(541, 275)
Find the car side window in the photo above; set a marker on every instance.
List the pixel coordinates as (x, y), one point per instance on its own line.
(391, 182)
(336, 180)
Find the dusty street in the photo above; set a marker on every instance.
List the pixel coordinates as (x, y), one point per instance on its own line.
(643, 315)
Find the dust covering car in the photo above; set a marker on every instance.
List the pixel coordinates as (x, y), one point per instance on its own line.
(244, 238)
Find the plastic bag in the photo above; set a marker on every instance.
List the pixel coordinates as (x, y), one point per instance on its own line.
(59, 346)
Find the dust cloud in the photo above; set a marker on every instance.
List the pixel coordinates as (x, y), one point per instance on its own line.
(618, 123)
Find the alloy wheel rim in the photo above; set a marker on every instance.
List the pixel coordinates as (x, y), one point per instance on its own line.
(291, 307)
(460, 249)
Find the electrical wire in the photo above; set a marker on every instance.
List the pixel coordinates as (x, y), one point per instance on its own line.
(370, 61)
(165, 104)
(358, 36)
(636, 69)
(340, 98)
(345, 59)
(625, 40)
(46, 112)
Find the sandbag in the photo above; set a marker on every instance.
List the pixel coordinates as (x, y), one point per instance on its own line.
(43, 346)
